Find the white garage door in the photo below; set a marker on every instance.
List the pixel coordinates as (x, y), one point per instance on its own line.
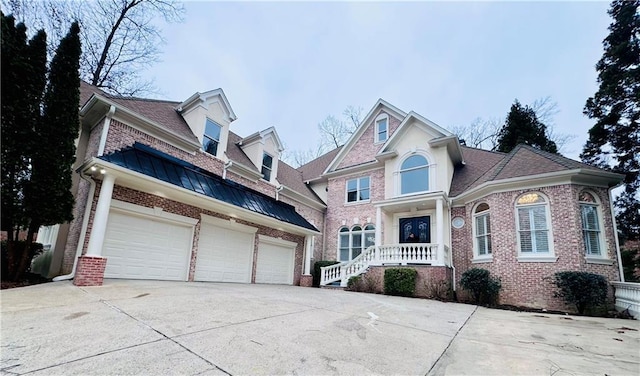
(275, 261)
(225, 252)
(143, 247)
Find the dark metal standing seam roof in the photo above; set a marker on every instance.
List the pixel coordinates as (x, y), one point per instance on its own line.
(156, 164)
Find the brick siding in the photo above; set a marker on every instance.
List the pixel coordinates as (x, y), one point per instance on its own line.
(90, 271)
(530, 283)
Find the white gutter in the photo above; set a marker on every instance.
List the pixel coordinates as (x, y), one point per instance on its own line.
(83, 232)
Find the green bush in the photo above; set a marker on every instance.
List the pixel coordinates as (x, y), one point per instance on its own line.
(400, 281)
(36, 249)
(355, 283)
(316, 270)
(481, 285)
(41, 263)
(630, 264)
(582, 289)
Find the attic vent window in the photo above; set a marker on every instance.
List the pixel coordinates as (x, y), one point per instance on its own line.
(381, 130)
(211, 137)
(267, 166)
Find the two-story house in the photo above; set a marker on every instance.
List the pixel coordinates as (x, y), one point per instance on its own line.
(166, 190)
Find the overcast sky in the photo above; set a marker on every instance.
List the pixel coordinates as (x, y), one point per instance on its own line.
(290, 65)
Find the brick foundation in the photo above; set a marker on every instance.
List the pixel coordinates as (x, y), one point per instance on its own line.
(306, 280)
(90, 271)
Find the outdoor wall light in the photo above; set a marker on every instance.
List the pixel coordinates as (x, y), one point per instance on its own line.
(103, 171)
(93, 168)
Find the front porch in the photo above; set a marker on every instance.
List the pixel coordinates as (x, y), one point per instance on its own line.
(403, 254)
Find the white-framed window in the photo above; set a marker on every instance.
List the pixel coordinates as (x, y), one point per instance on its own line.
(591, 231)
(382, 128)
(267, 166)
(482, 231)
(532, 215)
(211, 137)
(352, 242)
(358, 189)
(414, 174)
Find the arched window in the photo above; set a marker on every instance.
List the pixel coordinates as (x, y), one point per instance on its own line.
(414, 175)
(533, 224)
(590, 223)
(353, 242)
(482, 229)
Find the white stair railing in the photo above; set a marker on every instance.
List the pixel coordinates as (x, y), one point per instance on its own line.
(400, 254)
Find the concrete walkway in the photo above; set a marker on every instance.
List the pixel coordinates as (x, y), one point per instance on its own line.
(158, 328)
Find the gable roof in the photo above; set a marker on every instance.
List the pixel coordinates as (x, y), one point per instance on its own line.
(483, 166)
(292, 179)
(204, 97)
(161, 166)
(380, 104)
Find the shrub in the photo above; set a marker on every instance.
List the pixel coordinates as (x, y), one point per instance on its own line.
(371, 283)
(400, 281)
(481, 285)
(36, 249)
(355, 283)
(438, 289)
(41, 263)
(316, 270)
(582, 289)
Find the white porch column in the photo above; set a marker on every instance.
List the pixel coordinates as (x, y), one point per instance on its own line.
(378, 235)
(440, 229)
(100, 217)
(308, 250)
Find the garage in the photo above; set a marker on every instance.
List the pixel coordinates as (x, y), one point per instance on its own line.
(275, 263)
(146, 243)
(225, 251)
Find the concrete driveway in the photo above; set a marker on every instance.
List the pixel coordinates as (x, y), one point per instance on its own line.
(151, 327)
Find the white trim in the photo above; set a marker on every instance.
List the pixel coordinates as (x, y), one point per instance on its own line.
(228, 224)
(105, 129)
(537, 258)
(604, 251)
(474, 231)
(297, 196)
(277, 241)
(156, 212)
(526, 256)
(346, 191)
(482, 260)
(431, 171)
(376, 122)
(598, 260)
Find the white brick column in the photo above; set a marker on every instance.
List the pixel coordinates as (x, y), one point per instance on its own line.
(440, 229)
(378, 240)
(100, 217)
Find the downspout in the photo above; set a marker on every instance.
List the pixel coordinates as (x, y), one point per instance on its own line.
(280, 188)
(83, 232)
(615, 236)
(453, 267)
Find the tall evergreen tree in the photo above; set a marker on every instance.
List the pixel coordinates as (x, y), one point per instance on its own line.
(39, 128)
(614, 140)
(523, 127)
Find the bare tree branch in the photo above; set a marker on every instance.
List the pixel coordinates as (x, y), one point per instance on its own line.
(119, 37)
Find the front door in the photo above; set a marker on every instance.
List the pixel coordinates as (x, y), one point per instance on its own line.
(415, 230)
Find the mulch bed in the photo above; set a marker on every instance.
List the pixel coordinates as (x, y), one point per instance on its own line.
(28, 280)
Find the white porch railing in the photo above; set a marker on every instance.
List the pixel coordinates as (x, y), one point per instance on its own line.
(392, 254)
(628, 297)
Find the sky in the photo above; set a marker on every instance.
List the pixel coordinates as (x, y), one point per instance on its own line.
(291, 64)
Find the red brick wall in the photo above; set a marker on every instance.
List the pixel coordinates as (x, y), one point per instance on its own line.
(426, 278)
(530, 283)
(364, 150)
(147, 200)
(90, 271)
(339, 211)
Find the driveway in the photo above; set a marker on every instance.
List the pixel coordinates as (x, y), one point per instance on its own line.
(152, 327)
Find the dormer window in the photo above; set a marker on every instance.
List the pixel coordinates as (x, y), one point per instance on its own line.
(211, 137)
(382, 129)
(267, 166)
